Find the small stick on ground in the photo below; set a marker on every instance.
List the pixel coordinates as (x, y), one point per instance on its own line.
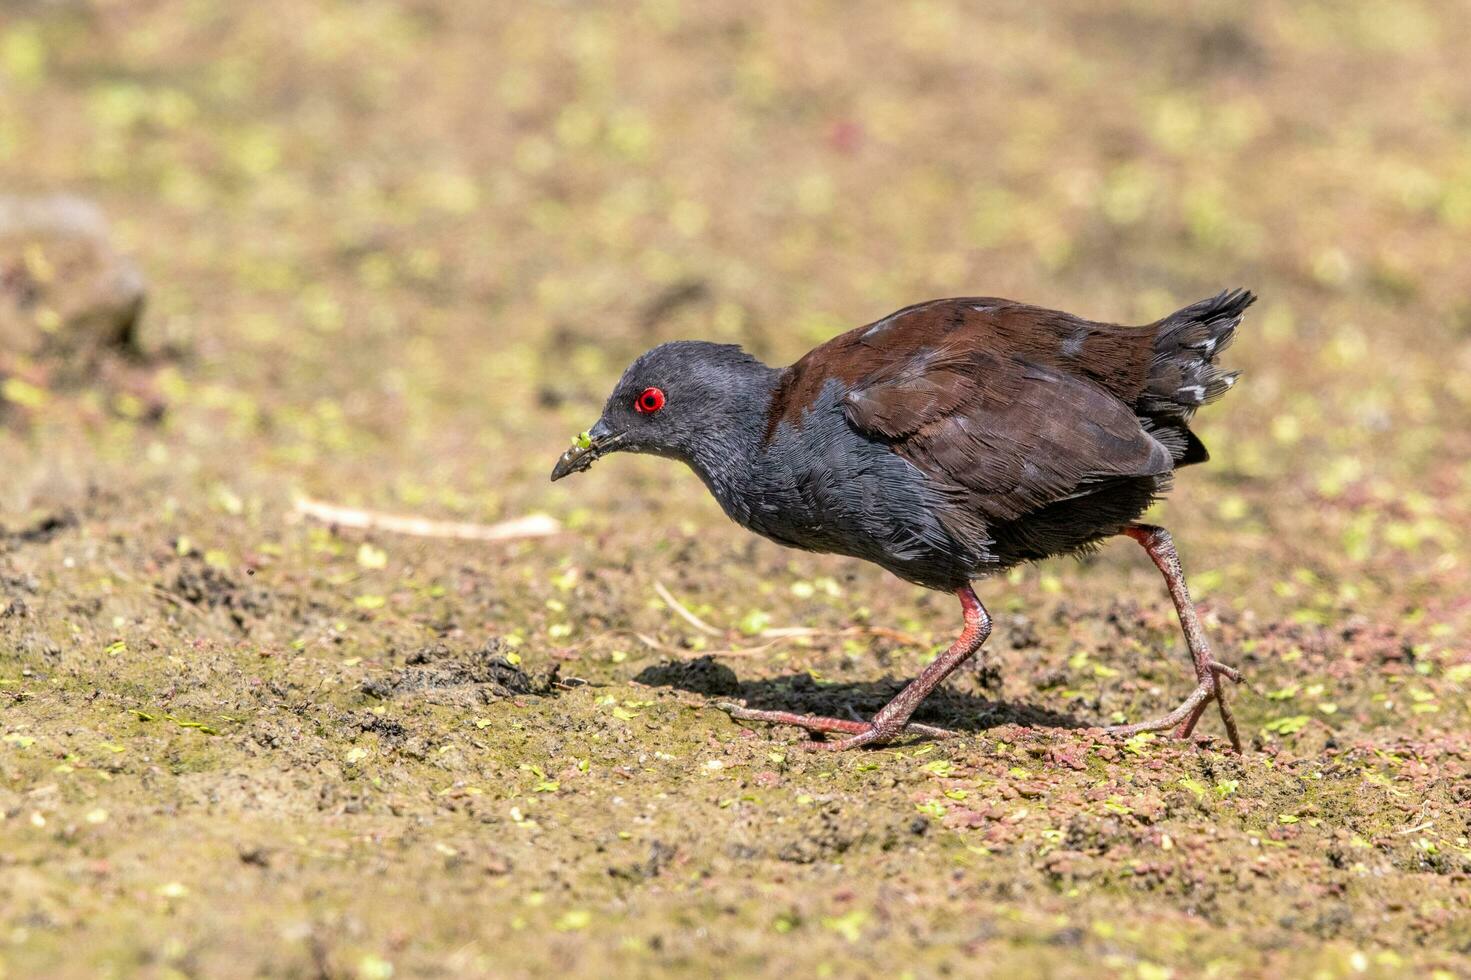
(531, 526)
(683, 612)
(791, 632)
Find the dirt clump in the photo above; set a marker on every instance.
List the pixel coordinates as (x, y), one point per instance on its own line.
(444, 675)
(703, 675)
(71, 315)
(204, 586)
(64, 289)
(42, 529)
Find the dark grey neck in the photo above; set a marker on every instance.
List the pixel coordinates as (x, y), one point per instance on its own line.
(727, 450)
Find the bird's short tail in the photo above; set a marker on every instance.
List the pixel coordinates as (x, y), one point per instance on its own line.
(1184, 375)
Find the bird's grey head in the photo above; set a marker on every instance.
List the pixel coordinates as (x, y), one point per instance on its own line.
(688, 400)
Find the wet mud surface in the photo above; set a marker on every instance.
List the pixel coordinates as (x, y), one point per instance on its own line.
(396, 254)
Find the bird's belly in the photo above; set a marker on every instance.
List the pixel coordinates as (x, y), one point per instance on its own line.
(822, 487)
(912, 549)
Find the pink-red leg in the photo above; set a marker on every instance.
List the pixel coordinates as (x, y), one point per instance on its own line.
(893, 718)
(1208, 671)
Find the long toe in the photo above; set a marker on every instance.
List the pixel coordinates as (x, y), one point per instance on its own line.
(874, 735)
(813, 723)
(1227, 719)
(1223, 706)
(862, 732)
(1177, 719)
(870, 736)
(1185, 717)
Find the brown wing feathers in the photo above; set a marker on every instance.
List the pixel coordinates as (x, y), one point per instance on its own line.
(1024, 436)
(1007, 407)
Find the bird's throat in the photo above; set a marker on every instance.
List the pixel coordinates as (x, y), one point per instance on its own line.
(726, 455)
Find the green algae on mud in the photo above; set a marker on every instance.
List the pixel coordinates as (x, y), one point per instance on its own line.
(395, 286)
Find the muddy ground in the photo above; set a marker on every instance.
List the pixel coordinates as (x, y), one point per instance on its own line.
(396, 254)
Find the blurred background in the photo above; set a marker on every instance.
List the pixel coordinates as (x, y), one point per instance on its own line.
(401, 250)
(418, 241)
(393, 255)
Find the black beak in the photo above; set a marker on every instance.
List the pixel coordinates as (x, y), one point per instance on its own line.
(600, 439)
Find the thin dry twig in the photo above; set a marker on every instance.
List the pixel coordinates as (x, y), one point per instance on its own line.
(792, 632)
(776, 632)
(773, 638)
(158, 591)
(530, 526)
(683, 612)
(740, 651)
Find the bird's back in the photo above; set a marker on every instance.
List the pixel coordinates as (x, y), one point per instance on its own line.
(1019, 432)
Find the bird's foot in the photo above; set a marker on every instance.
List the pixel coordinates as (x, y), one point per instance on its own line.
(1184, 718)
(860, 732)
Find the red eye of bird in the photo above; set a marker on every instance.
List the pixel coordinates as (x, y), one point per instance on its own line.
(649, 402)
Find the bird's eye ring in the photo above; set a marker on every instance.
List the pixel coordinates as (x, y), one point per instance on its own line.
(649, 402)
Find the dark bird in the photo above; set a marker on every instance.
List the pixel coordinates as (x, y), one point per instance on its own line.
(946, 442)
